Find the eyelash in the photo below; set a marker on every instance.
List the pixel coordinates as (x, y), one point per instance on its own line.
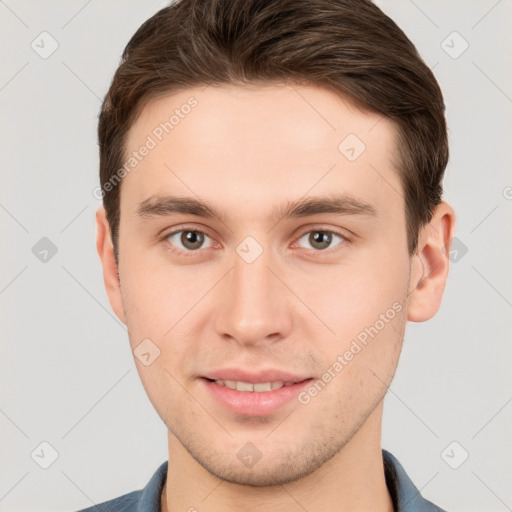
(187, 254)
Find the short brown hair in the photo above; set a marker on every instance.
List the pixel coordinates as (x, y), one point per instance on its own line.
(348, 46)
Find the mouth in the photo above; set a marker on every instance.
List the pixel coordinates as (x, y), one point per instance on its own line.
(257, 387)
(243, 397)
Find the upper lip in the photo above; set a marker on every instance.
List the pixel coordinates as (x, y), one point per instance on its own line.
(267, 375)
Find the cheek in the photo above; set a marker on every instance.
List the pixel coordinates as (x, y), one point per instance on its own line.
(348, 297)
(357, 294)
(366, 309)
(156, 293)
(359, 368)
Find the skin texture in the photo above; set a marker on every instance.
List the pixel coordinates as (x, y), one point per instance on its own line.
(295, 308)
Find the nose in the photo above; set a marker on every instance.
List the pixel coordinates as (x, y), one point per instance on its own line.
(254, 306)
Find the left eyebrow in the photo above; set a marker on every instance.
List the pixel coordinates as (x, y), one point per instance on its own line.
(305, 207)
(337, 204)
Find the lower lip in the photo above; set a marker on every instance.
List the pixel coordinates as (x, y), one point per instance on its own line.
(254, 403)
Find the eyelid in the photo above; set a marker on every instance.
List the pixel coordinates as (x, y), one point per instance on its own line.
(178, 229)
(343, 233)
(331, 251)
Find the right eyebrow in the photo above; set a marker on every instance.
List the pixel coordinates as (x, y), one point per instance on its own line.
(170, 205)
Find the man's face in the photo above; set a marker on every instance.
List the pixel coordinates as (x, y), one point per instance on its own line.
(256, 290)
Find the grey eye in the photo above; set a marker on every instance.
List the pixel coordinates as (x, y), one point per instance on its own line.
(321, 240)
(190, 240)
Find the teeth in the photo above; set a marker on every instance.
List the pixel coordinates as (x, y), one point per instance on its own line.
(231, 384)
(248, 386)
(244, 386)
(263, 386)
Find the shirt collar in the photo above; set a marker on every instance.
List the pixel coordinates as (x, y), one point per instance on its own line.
(406, 497)
(404, 494)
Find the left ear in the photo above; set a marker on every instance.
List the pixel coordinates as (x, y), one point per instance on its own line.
(430, 264)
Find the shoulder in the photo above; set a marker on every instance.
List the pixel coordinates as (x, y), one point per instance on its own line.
(125, 503)
(143, 500)
(405, 495)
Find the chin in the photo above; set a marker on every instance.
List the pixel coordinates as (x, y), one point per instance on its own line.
(263, 470)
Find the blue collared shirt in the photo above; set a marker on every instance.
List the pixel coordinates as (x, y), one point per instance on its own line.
(405, 496)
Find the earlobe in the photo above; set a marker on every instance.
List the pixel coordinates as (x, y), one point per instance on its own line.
(430, 265)
(110, 271)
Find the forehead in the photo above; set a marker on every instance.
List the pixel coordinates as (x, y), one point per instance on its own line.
(275, 139)
(309, 113)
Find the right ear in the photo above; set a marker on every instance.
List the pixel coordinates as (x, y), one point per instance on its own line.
(105, 250)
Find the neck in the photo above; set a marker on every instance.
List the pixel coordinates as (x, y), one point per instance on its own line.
(353, 480)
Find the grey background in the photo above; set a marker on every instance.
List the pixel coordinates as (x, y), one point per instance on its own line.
(67, 374)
